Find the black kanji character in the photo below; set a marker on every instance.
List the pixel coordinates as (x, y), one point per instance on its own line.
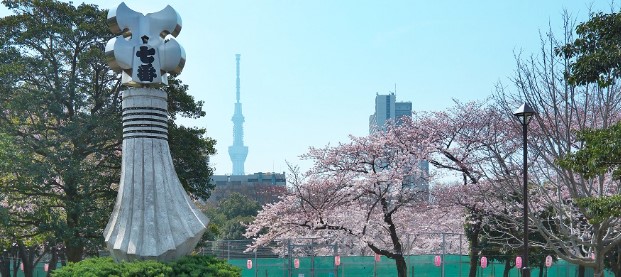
(146, 54)
(146, 72)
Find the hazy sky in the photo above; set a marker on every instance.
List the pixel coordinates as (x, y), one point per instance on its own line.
(310, 70)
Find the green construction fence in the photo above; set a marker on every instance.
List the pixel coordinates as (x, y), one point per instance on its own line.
(418, 266)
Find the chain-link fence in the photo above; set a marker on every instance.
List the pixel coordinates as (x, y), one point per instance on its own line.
(414, 244)
(314, 257)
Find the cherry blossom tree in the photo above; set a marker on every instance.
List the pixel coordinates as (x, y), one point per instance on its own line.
(360, 194)
(468, 140)
(363, 181)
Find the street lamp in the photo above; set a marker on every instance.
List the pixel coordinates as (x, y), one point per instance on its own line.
(524, 114)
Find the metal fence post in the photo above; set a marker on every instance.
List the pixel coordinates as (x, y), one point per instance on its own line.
(460, 254)
(374, 266)
(443, 252)
(312, 257)
(256, 265)
(290, 256)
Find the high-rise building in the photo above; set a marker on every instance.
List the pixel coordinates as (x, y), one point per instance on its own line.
(238, 151)
(388, 109)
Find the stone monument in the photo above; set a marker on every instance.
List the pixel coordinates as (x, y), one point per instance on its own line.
(153, 217)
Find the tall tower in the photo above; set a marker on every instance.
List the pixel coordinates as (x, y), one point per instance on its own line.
(238, 152)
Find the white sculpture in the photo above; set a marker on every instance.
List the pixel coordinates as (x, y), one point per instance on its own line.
(142, 52)
(153, 217)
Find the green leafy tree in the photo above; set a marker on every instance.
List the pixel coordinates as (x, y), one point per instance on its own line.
(600, 154)
(596, 56)
(21, 236)
(238, 205)
(61, 109)
(229, 216)
(597, 51)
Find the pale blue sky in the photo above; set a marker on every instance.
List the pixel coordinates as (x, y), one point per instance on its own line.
(310, 69)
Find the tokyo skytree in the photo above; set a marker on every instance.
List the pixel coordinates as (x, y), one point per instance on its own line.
(238, 152)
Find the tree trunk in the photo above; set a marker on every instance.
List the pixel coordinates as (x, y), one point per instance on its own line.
(508, 266)
(62, 256)
(598, 272)
(402, 267)
(15, 266)
(581, 271)
(52, 263)
(74, 247)
(74, 253)
(474, 250)
(616, 268)
(5, 264)
(26, 255)
(541, 270)
(5, 269)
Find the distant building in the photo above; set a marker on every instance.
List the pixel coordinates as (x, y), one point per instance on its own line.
(238, 151)
(264, 187)
(388, 109)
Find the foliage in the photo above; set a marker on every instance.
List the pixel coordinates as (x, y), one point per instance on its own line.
(238, 205)
(196, 266)
(599, 209)
(57, 118)
(189, 149)
(599, 154)
(229, 217)
(597, 51)
(107, 267)
(597, 54)
(186, 266)
(597, 60)
(61, 117)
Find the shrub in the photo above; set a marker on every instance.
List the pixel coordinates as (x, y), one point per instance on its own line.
(104, 267)
(89, 268)
(184, 267)
(194, 266)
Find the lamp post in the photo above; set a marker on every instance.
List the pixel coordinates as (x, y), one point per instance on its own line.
(524, 114)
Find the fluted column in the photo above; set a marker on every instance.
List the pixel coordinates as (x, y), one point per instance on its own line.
(153, 217)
